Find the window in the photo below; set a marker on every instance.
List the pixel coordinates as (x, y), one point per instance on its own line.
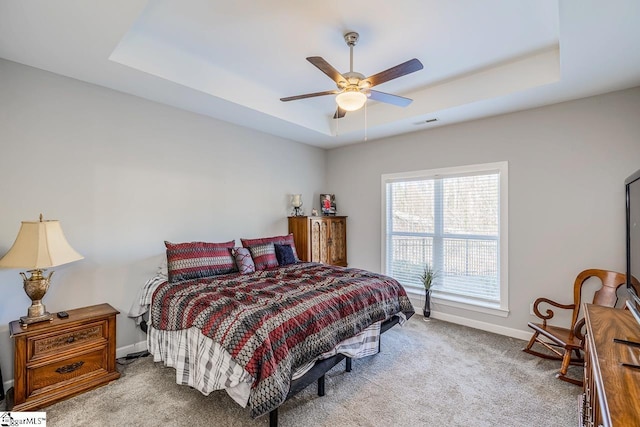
(456, 220)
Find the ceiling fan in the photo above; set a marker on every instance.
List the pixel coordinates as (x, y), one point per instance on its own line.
(354, 88)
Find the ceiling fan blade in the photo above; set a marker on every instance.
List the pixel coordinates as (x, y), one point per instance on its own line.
(400, 101)
(400, 70)
(340, 113)
(327, 68)
(309, 95)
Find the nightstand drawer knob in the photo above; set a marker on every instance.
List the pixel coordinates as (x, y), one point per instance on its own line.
(69, 368)
(71, 339)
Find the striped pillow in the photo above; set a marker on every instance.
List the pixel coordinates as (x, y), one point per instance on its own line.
(281, 240)
(264, 256)
(199, 259)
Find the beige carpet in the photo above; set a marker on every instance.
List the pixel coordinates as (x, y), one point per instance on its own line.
(428, 373)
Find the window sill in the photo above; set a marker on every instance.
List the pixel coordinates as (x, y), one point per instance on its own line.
(461, 302)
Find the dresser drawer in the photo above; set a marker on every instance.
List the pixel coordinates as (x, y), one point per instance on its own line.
(71, 369)
(64, 357)
(54, 343)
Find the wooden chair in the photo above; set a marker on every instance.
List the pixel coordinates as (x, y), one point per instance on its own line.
(565, 342)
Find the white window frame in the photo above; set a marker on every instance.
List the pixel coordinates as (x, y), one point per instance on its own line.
(499, 309)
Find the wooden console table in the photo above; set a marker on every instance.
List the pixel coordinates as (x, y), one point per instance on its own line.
(611, 391)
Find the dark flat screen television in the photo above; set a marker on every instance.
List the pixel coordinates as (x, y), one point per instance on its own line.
(632, 185)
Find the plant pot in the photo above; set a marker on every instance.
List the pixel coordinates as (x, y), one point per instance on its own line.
(426, 311)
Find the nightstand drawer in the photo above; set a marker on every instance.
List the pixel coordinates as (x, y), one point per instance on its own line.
(64, 357)
(70, 369)
(57, 342)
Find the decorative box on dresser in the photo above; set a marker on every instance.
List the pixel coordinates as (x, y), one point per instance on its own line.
(59, 359)
(320, 238)
(611, 391)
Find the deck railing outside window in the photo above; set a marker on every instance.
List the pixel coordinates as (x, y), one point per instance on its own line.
(451, 222)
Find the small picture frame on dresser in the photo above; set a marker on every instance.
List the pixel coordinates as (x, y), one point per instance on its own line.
(328, 204)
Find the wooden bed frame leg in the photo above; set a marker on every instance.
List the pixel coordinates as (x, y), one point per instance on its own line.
(273, 418)
(321, 386)
(348, 364)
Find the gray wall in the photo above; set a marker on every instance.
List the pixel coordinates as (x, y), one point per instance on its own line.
(123, 174)
(567, 165)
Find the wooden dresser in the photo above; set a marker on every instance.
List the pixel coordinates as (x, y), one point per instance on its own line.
(59, 359)
(320, 238)
(611, 391)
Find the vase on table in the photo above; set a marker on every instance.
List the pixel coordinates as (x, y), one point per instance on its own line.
(426, 311)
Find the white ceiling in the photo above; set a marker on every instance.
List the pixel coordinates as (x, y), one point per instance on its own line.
(234, 60)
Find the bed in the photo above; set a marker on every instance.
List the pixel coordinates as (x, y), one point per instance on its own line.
(258, 334)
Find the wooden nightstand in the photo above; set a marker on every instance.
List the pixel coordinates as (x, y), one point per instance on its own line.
(59, 359)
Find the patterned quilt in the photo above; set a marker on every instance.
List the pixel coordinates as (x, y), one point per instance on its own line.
(273, 321)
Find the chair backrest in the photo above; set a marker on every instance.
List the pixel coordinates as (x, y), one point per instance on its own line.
(606, 295)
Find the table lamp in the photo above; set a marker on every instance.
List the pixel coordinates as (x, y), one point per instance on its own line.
(39, 245)
(296, 202)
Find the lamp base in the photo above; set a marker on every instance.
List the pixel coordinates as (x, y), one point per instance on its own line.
(27, 320)
(36, 287)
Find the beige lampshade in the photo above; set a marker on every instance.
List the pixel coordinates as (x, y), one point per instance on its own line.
(40, 244)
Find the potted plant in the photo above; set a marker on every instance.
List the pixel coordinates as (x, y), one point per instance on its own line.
(428, 277)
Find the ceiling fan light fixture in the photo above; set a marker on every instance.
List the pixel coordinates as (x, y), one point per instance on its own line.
(351, 100)
(353, 87)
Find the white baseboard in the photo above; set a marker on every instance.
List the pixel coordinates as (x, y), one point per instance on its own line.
(476, 324)
(8, 384)
(132, 348)
(484, 326)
